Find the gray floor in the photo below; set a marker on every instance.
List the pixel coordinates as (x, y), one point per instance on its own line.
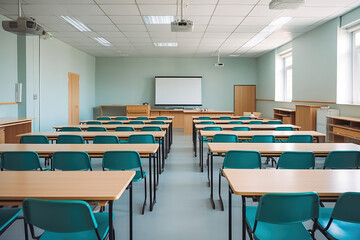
(183, 209)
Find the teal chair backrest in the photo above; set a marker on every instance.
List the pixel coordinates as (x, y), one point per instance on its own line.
(347, 207)
(207, 122)
(70, 129)
(71, 161)
(157, 122)
(287, 208)
(106, 139)
(237, 159)
(151, 128)
(125, 129)
(59, 216)
(263, 139)
(142, 118)
(96, 129)
(225, 118)
(274, 122)
(236, 122)
(217, 128)
(136, 122)
(342, 160)
(161, 118)
(93, 122)
(35, 139)
(70, 139)
(115, 122)
(244, 118)
(241, 129)
(121, 160)
(300, 139)
(284, 129)
(103, 118)
(142, 138)
(204, 118)
(256, 122)
(20, 161)
(296, 160)
(231, 138)
(122, 118)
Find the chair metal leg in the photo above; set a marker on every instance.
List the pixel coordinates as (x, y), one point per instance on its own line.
(130, 213)
(26, 231)
(221, 201)
(144, 204)
(230, 214)
(208, 168)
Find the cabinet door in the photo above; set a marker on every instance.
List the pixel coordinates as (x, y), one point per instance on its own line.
(244, 99)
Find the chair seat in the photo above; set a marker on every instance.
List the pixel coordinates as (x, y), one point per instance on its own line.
(8, 215)
(276, 231)
(123, 141)
(204, 139)
(102, 220)
(137, 177)
(338, 229)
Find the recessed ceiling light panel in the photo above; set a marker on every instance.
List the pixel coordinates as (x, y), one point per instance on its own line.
(76, 24)
(103, 41)
(174, 44)
(158, 19)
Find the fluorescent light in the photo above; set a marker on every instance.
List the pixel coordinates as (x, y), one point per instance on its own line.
(158, 19)
(103, 41)
(234, 55)
(76, 24)
(267, 31)
(174, 44)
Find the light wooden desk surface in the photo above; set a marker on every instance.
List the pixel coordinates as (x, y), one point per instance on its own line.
(217, 117)
(113, 126)
(217, 121)
(252, 126)
(249, 134)
(125, 121)
(10, 121)
(327, 183)
(64, 185)
(134, 117)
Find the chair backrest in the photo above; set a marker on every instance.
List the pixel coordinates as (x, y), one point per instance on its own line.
(104, 118)
(106, 139)
(70, 129)
(300, 139)
(263, 139)
(161, 118)
(244, 118)
(204, 118)
(71, 161)
(115, 122)
(207, 122)
(96, 129)
(121, 160)
(142, 138)
(236, 122)
(142, 118)
(342, 159)
(274, 122)
(20, 161)
(136, 122)
(347, 208)
(125, 129)
(215, 128)
(157, 122)
(122, 118)
(231, 138)
(238, 159)
(36, 139)
(225, 118)
(59, 216)
(241, 129)
(296, 160)
(68, 139)
(284, 129)
(151, 128)
(93, 122)
(256, 122)
(287, 208)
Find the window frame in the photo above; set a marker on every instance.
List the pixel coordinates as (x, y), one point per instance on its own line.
(286, 68)
(356, 68)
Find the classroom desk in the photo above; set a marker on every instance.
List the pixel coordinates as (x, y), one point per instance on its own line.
(246, 135)
(273, 150)
(63, 185)
(257, 182)
(134, 117)
(95, 150)
(217, 117)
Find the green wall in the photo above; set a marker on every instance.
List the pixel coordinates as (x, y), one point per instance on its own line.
(131, 80)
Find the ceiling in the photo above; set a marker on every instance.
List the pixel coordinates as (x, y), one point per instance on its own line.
(220, 25)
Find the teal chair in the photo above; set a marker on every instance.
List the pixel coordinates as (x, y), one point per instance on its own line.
(70, 139)
(126, 160)
(300, 139)
(284, 129)
(115, 122)
(20, 161)
(157, 122)
(204, 118)
(204, 139)
(161, 118)
(96, 129)
(296, 160)
(106, 139)
(65, 219)
(236, 159)
(71, 161)
(103, 118)
(93, 123)
(8, 217)
(122, 118)
(142, 118)
(281, 216)
(244, 118)
(70, 129)
(125, 129)
(207, 122)
(241, 129)
(151, 129)
(136, 122)
(342, 160)
(225, 118)
(342, 221)
(236, 122)
(263, 139)
(34, 139)
(256, 122)
(142, 138)
(274, 122)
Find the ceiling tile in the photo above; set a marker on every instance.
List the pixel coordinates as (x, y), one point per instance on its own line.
(126, 20)
(115, 1)
(233, 10)
(250, 2)
(120, 10)
(136, 34)
(264, 11)
(234, 21)
(111, 34)
(165, 28)
(156, 1)
(257, 20)
(198, 10)
(94, 19)
(103, 27)
(132, 28)
(60, 28)
(158, 10)
(220, 29)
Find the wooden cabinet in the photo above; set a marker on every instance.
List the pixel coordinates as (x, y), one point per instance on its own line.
(11, 127)
(122, 110)
(138, 110)
(306, 116)
(244, 99)
(343, 129)
(287, 116)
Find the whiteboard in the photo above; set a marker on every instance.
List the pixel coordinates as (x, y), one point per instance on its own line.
(181, 91)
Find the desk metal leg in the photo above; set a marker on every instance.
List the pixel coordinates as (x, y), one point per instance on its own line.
(194, 139)
(201, 154)
(155, 184)
(150, 181)
(131, 211)
(163, 154)
(26, 231)
(212, 180)
(243, 204)
(230, 213)
(111, 225)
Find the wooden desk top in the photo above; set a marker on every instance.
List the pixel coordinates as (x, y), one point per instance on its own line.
(217, 121)
(285, 109)
(10, 121)
(278, 148)
(210, 112)
(91, 135)
(125, 121)
(134, 117)
(91, 149)
(113, 126)
(64, 185)
(327, 183)
(351, 119)
(252, 126)
(252, 133)
(233, 117)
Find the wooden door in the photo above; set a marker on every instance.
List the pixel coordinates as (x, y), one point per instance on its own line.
(244, 99)
(73, 98)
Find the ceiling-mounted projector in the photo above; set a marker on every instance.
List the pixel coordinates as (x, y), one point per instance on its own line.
(285, 4)
(23, 26)
(182, 25)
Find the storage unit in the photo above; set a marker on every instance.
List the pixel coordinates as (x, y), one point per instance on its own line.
(285, 115)
(344, 129)
(306, 116)
(11, 127)
(321, 119)
(244, 99)
(138, 110)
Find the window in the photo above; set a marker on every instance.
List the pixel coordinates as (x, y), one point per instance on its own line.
(356, 67)
(283, 83)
